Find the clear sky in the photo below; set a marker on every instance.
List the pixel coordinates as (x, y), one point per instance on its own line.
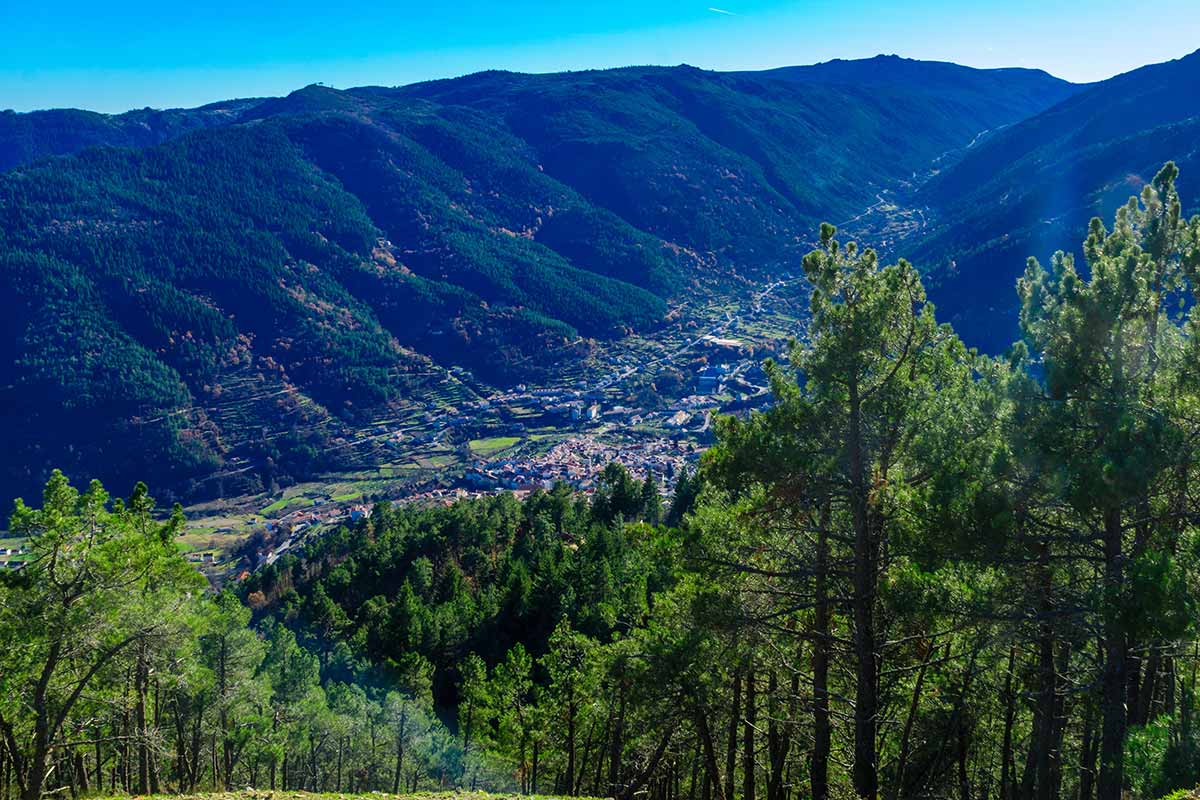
(112, 56)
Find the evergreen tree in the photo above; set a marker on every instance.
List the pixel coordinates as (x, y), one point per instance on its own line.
(102, 578)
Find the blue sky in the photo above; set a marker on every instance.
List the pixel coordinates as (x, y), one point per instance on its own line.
(128, 54)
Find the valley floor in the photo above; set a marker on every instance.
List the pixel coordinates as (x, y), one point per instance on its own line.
(646, 401)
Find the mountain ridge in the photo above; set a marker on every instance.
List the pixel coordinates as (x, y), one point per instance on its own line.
(1040, 180)
(287, 270)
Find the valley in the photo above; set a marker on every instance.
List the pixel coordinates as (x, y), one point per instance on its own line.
(452, 308)
(386, 265)
(646, 402)
(648, 433)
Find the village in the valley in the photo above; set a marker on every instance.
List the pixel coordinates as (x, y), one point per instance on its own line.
(648, 404)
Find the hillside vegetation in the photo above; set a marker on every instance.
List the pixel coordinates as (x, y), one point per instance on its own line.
(922, 572)
(37, 135)
(1031, 188)
(224, 294)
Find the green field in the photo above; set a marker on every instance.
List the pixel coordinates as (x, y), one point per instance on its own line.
(486, 448)
(6, 543)
(287, 502)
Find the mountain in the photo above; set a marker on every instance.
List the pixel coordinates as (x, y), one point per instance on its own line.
(727, 161)
(983, 97)
(36, 135)
(1031, 188)
(226, 296)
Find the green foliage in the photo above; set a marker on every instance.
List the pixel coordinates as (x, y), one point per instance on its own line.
(918, 572)
(1145, 753)
(476, 577)
(1031, 188)
(103, 581)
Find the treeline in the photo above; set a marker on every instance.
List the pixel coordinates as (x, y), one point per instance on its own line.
(922, 573)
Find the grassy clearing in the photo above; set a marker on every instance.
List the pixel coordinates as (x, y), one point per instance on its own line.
(437, 461)
(196, 541)
(486, 448)
(287, 502)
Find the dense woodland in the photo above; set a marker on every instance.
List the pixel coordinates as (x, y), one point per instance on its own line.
(221, 271)
(922, 572)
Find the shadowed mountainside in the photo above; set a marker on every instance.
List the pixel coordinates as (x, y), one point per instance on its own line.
(1030, 189)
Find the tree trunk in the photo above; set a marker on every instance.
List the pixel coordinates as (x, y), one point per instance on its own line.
(81, 773)
(751, 717)
(819, 764)
(735, 716)
(536, 753)
(1027, 775)
(1059, 727)
(909, 721)
(35, 775)
(1007, 777)
(1087, 754)
(399, 760)
(337, 782)
(1043, 710)
(778, 738)
(866, 780)
(100, 762)
(194, 772)
(1142, 711)
(155, 777)
(143, 755)
(695, 769)
(1112, 730)
(964, 783)
(712, 773)
(571, 713)
(616, 746)
(638, 780)
(577, 786)
(600, 754)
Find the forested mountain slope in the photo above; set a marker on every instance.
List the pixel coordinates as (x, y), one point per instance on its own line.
(234, 300)
(921, 572)
(735, 161)
(1031, 188)
(983, 97)
(28, 137)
